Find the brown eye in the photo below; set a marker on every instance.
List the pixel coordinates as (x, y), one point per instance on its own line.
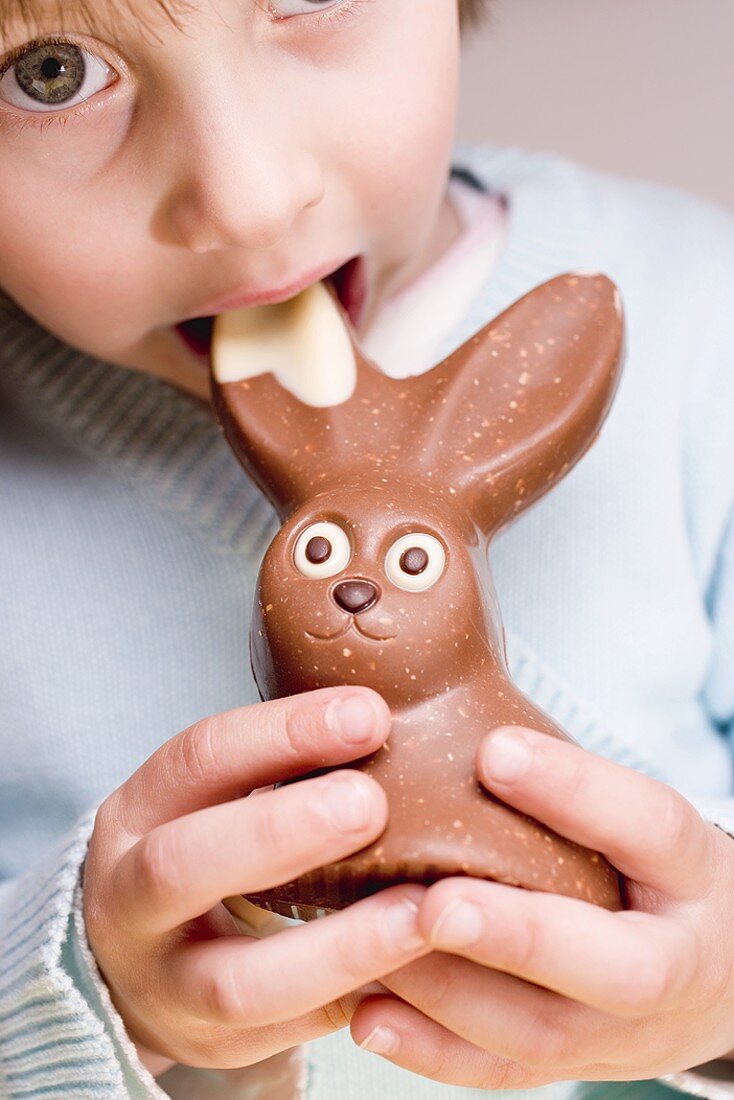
(51, 73)
(415, 562)
(322, 550)
(54, 75)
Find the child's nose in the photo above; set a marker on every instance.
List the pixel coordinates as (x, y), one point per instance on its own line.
(239, 200)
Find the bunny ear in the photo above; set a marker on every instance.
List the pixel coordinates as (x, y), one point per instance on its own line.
(517, 405)
(288, 384)
(492, 427)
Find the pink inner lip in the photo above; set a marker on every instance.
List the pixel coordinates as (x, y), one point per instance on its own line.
(348, 281)
(197, 334)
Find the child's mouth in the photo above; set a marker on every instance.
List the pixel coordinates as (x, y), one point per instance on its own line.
(348, 281)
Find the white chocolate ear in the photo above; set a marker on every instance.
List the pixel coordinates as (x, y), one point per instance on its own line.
(303, 342)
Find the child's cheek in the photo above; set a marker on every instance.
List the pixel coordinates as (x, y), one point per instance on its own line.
(400, 140)
(68, 145)
(73, 234)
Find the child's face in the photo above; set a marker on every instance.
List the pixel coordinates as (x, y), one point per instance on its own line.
(237, 155)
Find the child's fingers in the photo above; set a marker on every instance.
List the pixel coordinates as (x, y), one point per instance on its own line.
(261, 1042)
(623, 963)
(237, 982)
(645, 828)
(184, 867)
(230, 754)
(398, 1032)
(508, 1016)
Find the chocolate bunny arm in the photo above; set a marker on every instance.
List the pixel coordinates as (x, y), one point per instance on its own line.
(494, 425)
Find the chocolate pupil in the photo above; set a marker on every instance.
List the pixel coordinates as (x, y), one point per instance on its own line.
(414, 560)
(318, 550)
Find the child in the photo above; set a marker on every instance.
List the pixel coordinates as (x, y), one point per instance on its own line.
(161, 165)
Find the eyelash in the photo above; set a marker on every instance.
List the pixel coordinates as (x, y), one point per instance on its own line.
(331, 15)
(63, 118)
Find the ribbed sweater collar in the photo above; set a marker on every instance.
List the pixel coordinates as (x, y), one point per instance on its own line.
(148, 432)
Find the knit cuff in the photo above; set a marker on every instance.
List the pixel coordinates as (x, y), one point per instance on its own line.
(83, 969)
(53, 1044)
(713, 1080)
(283, 1076)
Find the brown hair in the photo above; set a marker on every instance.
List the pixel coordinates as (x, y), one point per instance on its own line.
(471, 13)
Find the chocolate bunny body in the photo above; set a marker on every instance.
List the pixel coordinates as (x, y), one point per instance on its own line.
(379, 574)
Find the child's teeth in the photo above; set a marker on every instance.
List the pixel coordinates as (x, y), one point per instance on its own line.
(304, 342)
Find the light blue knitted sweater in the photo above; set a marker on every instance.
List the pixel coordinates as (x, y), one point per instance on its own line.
(130, 540)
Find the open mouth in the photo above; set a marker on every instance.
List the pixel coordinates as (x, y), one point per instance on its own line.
(348, 282)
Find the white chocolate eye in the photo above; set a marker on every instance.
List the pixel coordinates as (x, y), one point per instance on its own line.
(322, 550)
(415, 562)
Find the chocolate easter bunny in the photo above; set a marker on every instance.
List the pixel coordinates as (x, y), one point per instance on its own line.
(389, 491)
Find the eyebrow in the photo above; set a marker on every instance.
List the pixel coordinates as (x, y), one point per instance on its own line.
(63, 16)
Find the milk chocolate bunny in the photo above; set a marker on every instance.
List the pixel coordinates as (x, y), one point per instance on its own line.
(389, 491)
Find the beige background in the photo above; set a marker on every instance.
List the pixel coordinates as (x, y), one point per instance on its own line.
(642, 87)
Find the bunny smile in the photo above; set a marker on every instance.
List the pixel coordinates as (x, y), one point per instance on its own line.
(352, 623)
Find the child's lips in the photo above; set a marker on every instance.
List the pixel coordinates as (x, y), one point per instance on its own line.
(349, 282)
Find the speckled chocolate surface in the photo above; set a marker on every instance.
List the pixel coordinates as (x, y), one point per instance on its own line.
(379, 574)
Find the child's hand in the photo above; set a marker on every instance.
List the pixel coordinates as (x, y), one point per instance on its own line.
(628, 995)
(177, 837)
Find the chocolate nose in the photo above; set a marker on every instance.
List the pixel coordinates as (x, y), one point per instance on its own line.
(355, 596)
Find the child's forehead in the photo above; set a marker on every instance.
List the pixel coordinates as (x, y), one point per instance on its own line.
(100, 18)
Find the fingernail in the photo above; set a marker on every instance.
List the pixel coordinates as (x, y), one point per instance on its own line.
(347, 803)
(401, 927)
(506, 756)
(381, 1040)
(460, 925)
(353, 718)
